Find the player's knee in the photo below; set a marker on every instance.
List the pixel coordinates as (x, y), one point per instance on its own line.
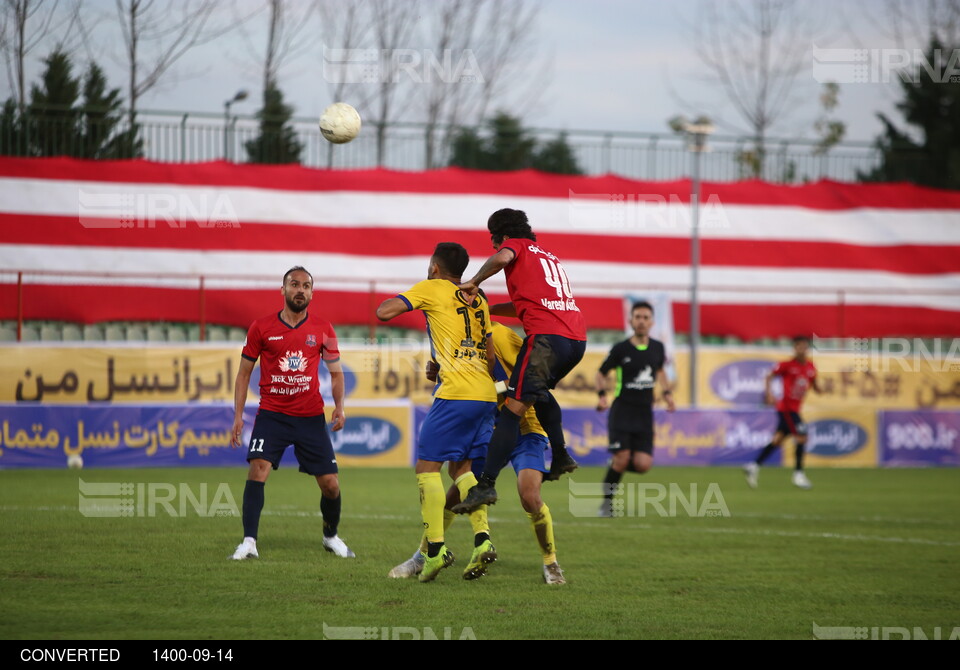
(259, 470)
(643, 466)
(531, 501)
(329, 486)
(619, 460)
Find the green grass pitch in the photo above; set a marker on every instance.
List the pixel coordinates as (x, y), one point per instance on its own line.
(863, 548)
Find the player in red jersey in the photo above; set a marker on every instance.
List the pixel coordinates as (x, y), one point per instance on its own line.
(556, 339)
(290, 345)
(798, 375)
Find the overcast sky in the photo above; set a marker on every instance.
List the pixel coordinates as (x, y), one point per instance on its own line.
(611, 65)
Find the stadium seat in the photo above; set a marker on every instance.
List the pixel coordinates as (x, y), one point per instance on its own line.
(71, 333)
(176, 333)
(8, 334)
(50, 333)
(114, 332)
(136, 333)
(30, 333)
(156, 333)
(92, 333)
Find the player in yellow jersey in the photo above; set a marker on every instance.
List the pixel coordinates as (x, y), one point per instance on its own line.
(460, 421)
(528, 458)
(528, 462)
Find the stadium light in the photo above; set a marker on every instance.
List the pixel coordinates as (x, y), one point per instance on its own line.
(240, 95)
(697, 133)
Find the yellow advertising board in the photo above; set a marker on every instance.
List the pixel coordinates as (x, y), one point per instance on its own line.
(839, 438)
(375, 435)
(726, 378)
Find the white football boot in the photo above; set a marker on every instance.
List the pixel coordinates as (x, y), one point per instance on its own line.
(337, 547)
(800, 480)
(246, 549)
(409, 568)
(752, 472)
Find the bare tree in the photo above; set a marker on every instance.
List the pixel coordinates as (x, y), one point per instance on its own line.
(345, 26)
(494, 42)
(754, 50)
(394, 22)
(913, 24)
(288, 37)
(156, 36)
(25, 25)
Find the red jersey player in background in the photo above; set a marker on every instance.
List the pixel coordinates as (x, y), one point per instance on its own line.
(556, 339)
(290, 345)
(798, 375)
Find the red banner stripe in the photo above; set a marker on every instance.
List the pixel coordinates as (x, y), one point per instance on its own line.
(823, 195)
(907, 258)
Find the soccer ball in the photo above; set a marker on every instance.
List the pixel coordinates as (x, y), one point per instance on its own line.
(339, 123)
(75, 461)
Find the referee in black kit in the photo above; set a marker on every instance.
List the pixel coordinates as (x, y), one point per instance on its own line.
(639, 364)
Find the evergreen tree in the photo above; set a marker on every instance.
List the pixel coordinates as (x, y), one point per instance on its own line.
(557, 156)
(931, 104)
(507, 145)
(53, 118)
(277, 141)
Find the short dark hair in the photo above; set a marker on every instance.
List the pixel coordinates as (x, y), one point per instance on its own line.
(643, 304)
(509, 223)
(451, 257)
(296, 268)
(801, 338)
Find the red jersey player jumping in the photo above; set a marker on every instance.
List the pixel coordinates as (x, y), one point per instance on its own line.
(290, 345)
(556, 339)
(798, 375)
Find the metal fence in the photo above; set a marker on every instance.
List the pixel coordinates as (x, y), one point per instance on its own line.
(197, 137)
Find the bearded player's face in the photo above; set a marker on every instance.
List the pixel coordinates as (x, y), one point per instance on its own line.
(298, 291)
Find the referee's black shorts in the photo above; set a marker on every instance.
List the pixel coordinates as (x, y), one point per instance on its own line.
(631, 427)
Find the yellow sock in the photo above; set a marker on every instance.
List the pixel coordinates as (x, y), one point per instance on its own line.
(448, 518)
(542, 524)
(478, 517)
(432, 500)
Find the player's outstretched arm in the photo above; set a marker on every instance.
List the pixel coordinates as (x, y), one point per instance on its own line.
(603, 402)
(391, 308)
(240, 399)
(337, 388)
(503, 309)
(494, 264)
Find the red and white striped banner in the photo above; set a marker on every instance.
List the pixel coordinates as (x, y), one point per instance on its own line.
(128, 240)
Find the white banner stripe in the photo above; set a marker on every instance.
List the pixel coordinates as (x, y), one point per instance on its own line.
(635, 216)
(773, 285)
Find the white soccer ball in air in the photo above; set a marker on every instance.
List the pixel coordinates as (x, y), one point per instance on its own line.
(75, 461)
(340, 123)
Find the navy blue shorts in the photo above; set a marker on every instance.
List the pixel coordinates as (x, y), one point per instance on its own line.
(542, 362)
(790, 423)
(274, 432)
(455, 430)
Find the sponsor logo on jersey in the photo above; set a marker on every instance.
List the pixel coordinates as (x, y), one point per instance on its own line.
(274, 338)
(294, 361)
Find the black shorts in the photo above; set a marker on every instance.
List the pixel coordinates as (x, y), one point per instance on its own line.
(631, 427)
(542, 362)
(790, 423)
(274, 432)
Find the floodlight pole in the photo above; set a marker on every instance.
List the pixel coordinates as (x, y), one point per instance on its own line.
(240, 95)
(697, 143)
